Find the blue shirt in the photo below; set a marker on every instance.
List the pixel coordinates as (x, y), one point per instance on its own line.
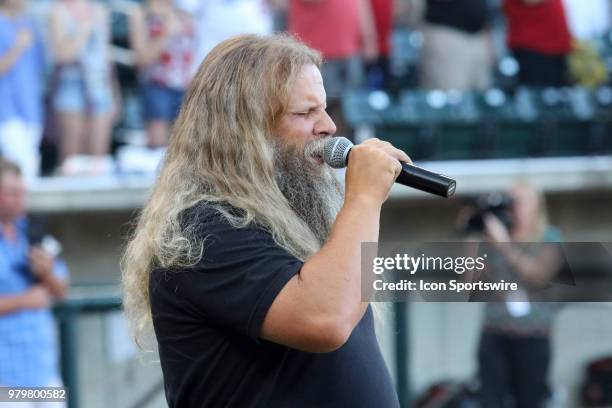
(28, 343)
(21, 87)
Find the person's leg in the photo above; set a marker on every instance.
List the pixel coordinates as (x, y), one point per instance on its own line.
(428, 68)
(100, 119)
(158, 109)
(446, 59)
(481, 69)
(527, 67)
(561, 70)
(100, 127)
(69, 110)
(158, 132)
(539, 69)
(377, 73)
(71, 126)
(531, 359)
(493, 370)
(174, 107)
(98, 143)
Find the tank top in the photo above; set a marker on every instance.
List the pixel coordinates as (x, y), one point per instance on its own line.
(173, 68)
(92, 65)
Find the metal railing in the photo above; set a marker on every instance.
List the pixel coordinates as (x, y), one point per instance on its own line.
(95, 302)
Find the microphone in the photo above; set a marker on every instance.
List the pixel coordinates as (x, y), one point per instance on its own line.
(336, 154)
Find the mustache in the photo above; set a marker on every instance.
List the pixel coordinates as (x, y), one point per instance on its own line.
(315, 148)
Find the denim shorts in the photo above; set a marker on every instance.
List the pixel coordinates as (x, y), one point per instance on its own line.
(73, 96)
(160, 102)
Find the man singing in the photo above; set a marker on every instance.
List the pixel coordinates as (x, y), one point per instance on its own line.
(246, 258)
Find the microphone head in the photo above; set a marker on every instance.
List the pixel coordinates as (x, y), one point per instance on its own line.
(336, 151)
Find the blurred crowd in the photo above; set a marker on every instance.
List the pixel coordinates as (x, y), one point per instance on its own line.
(59, 82)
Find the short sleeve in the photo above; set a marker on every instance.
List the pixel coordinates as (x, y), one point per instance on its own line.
(241, 272)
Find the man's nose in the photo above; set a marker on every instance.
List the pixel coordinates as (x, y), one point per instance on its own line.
(325, 126)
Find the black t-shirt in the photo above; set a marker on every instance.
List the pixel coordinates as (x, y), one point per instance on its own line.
(207, 320)
(470, 16)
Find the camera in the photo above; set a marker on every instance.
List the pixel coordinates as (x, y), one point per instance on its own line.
(496, 203)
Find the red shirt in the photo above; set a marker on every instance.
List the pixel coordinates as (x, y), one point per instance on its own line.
(541, 27)
(330, 26)
(383, 17)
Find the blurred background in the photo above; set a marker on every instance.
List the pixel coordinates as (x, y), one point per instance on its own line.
(489, 92)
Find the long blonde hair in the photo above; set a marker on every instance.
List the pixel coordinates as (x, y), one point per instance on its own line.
(220, 152)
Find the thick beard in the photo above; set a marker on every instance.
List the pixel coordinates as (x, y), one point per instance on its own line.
(313, 191)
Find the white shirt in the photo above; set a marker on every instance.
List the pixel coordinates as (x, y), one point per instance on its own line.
(217, 20)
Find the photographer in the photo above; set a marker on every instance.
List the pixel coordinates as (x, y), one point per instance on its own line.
(31, 277)
(514, 350)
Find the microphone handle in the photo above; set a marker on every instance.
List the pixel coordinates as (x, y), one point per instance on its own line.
(425, 180)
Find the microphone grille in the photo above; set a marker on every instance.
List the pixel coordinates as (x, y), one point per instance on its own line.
(336, 151)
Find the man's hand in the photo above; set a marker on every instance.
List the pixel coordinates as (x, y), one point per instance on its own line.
(41, 263)
(318, 308)
(38, 297)
(496, 231)
(373, 167)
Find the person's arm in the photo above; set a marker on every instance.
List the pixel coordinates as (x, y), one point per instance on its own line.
(10, 304)
(317, 310)
(368, 30)
(66, 48)
(43, 264)
(147, 50)
(36, 297)
(533, 269)
(23, 41)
